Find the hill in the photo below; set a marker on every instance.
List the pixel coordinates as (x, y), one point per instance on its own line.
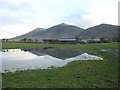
(55, 32)
(100, 31)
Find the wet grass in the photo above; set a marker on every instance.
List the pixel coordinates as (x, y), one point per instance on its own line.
(77, 74)
(81, 47)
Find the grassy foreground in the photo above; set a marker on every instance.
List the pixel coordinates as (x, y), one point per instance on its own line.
(77, 74)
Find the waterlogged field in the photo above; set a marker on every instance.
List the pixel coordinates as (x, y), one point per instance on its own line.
(76, 74)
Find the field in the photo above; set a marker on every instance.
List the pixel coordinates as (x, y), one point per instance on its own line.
(77, 74)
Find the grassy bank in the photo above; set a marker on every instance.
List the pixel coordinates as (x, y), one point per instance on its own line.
(77, 74)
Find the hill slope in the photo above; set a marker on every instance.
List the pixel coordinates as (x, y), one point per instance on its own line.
(100, 31)
(58, 31)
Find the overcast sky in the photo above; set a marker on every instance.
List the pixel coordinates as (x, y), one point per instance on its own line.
(21, 16)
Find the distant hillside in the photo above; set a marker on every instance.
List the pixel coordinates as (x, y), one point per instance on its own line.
(56, 32)
(30, 35)
(100, 31)
(110, 32)
(63, 31)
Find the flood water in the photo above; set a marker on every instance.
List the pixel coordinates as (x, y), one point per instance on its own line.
(40, 58)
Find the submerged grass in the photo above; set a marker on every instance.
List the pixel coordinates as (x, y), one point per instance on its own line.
(77, 74)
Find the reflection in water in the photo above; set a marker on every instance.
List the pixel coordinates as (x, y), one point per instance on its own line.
(20, 60)
(55, 52)
(40, 58)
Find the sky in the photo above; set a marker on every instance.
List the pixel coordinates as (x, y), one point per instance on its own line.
(21, 16)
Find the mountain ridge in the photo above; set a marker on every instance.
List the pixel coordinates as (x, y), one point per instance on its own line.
(107, 31)
(58, 31)
(70, 31)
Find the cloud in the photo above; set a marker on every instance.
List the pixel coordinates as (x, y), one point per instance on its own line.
(38, 11)
(21, 16)
(13, 13)
(16, 30)
(105, 11)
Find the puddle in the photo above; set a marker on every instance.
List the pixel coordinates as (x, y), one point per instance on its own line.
(55, 52)
(40, 58)
(105, 50)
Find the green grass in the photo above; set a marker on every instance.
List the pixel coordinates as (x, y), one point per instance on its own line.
(81, 47)
(77, 74)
